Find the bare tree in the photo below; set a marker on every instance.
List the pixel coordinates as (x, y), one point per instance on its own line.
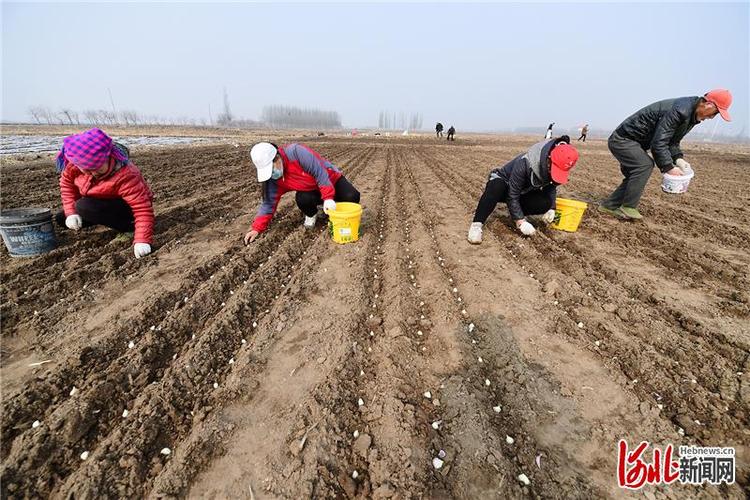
(129, 117)
(225, 118)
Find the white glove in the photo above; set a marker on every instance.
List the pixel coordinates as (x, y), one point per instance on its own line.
(329, 205)
(526, 228)
(74, 222)
(683, 165)
(549, 216)
(141, 250)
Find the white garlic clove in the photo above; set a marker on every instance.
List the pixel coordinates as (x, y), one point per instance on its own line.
(497, 408)
(166, 452)
(428, 394)
(125, 413)
(360, 402)
(36, 424)
(84, 455)
(437, 463)
(509, 440)
(524, 479)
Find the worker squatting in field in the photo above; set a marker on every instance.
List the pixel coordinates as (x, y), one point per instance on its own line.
(296, 167)
(99, 185)
(528, 184)
(658, 127)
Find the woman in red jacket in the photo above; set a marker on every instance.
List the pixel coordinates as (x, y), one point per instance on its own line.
(295, 167)
(99, 185)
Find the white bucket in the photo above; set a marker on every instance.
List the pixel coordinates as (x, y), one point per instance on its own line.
(676, 184)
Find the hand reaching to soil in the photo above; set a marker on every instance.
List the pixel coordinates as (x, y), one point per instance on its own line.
(525, 227)
(250, 237)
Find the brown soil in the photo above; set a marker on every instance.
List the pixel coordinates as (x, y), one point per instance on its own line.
(249, 362)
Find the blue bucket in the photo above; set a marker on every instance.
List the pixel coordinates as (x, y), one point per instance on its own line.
(27, 231)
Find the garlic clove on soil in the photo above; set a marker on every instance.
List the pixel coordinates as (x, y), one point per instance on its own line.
(36, 424)
(166, 452)
(437, 463)
(84, 455)
(487, 382)
(524, 479)
(497, 408)
(441, 454)
(131, 344)
(74, 391)
(509, 439)
(428, 394)
(355, 434)
(580, 324)
(355, 474)
(436, 424)
(125, 413)
(360, 402)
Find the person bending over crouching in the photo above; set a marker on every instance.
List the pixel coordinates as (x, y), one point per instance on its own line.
(528, 184)
(99, 185)
(296, 167)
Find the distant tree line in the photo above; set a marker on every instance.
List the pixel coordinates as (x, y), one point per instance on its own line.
(391, 121)
(104, 117)
(279, 116)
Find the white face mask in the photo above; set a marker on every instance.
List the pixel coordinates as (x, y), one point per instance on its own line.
(276, 174)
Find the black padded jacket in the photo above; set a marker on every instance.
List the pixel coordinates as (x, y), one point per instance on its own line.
(660, 127)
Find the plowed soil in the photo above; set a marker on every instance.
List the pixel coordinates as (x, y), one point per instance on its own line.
(256, 366)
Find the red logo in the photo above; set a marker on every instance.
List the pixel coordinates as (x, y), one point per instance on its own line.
(633, 472)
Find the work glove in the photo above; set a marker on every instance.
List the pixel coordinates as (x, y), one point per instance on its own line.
(526, 228)
(74, 222)
(683, 165)
(141, 250)
(329, 205)
(549, 216)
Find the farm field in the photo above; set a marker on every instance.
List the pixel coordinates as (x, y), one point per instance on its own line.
(279, 369)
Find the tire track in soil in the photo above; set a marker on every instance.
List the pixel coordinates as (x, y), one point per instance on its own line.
(492, 398)
(92, 398)
(713, 401)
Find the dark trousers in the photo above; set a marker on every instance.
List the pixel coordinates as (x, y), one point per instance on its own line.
(450, 136)
(532, 203)
(439, 133)
(308, 201)
(111, 212)
(583, 136)
(636, 165)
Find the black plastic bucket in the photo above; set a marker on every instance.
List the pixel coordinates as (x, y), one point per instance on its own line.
(27, 231)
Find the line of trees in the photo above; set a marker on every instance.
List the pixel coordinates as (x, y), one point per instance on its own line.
(390, 121)
(104, 117)
(279, 116)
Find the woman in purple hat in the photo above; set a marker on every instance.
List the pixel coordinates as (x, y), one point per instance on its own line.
(100, 186)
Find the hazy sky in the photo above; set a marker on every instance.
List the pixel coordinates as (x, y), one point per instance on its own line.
(476, 66)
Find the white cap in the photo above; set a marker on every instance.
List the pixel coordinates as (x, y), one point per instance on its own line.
(262, 155)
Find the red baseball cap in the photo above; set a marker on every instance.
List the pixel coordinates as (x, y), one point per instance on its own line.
(564, 158)
(722, 98)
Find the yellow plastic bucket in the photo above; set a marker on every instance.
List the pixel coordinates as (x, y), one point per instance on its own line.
(568, 214)
(343, 223)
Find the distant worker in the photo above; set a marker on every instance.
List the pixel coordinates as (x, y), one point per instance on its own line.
(528, 184)
(296, 167)
(584, 132)
(439, 130)
(451, 134)
(548, 135)
(658, 127)
(100, 186)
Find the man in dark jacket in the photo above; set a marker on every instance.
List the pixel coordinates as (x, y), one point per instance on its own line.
(528, 184)
(439, 130)
(451, 134)
(658, 127)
